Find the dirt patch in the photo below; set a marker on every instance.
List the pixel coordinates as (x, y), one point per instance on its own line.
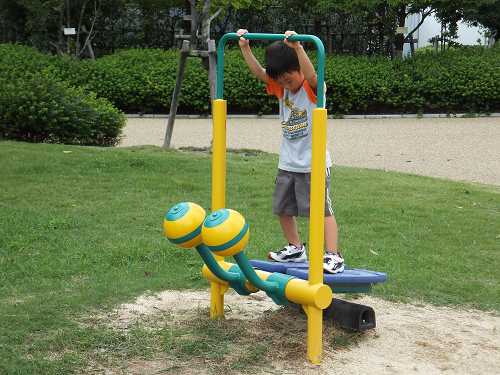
(409, 338)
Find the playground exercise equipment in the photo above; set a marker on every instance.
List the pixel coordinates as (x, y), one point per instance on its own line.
(225, 232)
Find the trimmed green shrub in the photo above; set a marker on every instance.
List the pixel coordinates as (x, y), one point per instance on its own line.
(465, 79)
(134, 80)
(143, 80)
(358, 84)
(39, 108)
(242, 89)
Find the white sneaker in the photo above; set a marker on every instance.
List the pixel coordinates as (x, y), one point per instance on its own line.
(289, 253)
(333, 263)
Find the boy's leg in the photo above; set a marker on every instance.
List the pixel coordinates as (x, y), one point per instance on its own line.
(332, 261)
(331, 234)
(294, 251)
(285, 206)
(289, 227)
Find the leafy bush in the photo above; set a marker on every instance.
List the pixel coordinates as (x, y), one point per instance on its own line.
(143, 80)
(358, 83)
(135, 80)
(463, 79)
(466, 79)
(36, 106)
(41, 109)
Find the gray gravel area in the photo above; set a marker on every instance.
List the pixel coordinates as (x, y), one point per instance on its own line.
(466, 149)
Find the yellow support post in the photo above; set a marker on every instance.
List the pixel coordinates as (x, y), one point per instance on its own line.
(219, 155)
(217, 300)
(218, 191)
(316, 231)
(314, 334)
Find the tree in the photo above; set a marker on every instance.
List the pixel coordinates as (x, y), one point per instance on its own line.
(40, 23)
(209, 11)
(113, 23)
(388, 15)
(484, 14)
(12, 14)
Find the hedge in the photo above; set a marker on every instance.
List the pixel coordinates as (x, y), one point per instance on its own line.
(36, 106)
(142, 81)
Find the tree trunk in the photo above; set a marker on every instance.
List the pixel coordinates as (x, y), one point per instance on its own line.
(205, 33)
(194, 24)
(210, 62)
(380, 25)
(77, 48)
(367, 38)
(412, 46)
(400, 38)
(68, 19)
(176, 94)
(61, 39)
(205, 25)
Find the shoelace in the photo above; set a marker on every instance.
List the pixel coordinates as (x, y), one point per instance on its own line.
(328, 260)
(285, 249)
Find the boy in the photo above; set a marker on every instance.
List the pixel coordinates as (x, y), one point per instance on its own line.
(290, 75)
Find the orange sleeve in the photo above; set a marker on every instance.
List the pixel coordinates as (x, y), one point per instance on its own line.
(274, 88)
(311, 92)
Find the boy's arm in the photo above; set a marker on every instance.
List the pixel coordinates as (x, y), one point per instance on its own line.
(254, 66)
(305, 64)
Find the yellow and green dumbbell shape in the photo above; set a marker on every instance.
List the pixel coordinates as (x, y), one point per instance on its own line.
(182, 226)
(224, 232)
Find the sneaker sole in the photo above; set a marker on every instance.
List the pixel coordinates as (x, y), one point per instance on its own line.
(298, 260)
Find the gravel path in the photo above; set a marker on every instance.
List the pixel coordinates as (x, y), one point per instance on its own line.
(465, 149)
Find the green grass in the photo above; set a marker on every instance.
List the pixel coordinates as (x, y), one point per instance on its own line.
(81, 231)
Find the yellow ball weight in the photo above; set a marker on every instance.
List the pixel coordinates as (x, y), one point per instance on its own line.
(182, 224)
(225, 232)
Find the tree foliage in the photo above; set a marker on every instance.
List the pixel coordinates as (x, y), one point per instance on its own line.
(486, 15)
(385, 16)
(358, 26)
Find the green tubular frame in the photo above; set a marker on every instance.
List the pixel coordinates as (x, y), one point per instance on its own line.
(259, 36)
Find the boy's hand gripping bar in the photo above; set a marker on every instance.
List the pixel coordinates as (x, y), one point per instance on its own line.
(262, 36)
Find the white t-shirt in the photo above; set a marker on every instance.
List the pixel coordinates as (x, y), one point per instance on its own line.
(296, 109)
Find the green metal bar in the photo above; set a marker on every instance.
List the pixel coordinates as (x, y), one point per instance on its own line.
(252, 276)
(260, 36)
(213, 266)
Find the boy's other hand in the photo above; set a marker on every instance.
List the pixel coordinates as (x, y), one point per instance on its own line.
(294, 45)
(242, 41)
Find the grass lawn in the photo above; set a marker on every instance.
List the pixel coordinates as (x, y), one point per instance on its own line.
(81, 231)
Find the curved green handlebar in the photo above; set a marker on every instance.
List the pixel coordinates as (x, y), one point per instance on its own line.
(259, 36)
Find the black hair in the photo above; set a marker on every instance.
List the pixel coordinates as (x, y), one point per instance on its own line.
(281, 59)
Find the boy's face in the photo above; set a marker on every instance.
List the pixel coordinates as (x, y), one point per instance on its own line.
(291, 81)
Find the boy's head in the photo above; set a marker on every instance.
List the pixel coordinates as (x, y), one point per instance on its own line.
(282, 63)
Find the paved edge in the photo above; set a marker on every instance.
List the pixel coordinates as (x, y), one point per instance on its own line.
(425, 115)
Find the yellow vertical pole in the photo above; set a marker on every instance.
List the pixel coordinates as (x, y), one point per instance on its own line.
(219, 155)
(316, 230)
(218, 191)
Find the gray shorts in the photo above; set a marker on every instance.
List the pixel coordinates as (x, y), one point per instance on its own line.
(292, 194)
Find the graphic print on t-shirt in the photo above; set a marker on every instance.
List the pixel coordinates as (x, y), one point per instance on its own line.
(295, 126)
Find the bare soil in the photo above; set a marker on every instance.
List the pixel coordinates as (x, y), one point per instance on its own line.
(409, 338)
